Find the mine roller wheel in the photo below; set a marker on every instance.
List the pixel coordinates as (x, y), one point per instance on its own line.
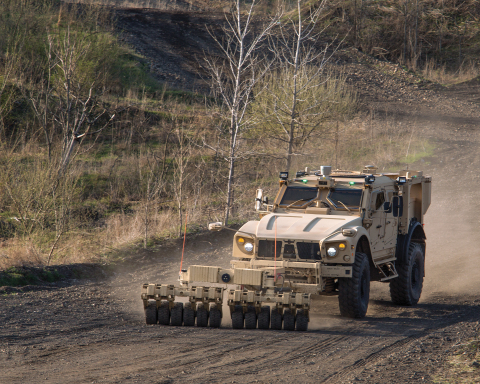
(302, 320)
(288, 320)
(407, 287)
(354, 292)
(276, 319)
(177, 314)
(151, 312)
(215, 317)
(251, 318)
(164, 313)
(188, 315)
(264, 317)
(237, 317)
(202, 315)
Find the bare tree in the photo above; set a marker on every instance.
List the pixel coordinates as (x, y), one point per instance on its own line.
(300, 94)
(181, 162)
(40, 99)
(154, 177)
(235, 75)
(78, 108)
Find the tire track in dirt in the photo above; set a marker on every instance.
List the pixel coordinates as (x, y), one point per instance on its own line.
(397, 346)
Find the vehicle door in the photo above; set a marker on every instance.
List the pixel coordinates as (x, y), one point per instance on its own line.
(377, 215)
(391, 222)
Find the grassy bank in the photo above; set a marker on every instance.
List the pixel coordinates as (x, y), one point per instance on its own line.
(145, 159)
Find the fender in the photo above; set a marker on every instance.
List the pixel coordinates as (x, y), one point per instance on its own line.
(362, 232)
(415, 232)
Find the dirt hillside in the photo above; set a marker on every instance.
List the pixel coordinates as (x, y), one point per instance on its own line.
(94, 331)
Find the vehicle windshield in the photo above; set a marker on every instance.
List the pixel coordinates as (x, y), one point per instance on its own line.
(348, 196)
(298, 196)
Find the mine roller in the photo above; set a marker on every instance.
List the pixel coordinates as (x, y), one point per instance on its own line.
(325, 233)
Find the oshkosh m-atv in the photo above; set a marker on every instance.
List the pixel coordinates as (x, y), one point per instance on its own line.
(324, 233)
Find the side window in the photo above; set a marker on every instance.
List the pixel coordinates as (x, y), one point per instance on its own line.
(378, 198)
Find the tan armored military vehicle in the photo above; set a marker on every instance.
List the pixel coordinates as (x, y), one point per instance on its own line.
(324, 233)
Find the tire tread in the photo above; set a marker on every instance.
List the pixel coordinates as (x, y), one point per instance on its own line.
(400, 286)
(348, 289)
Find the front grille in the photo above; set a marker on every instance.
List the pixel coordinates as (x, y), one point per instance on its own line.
(266, 248)
(308, 251)
(289, 252)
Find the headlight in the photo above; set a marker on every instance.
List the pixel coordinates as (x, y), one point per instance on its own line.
(248, 247)
(331, 252)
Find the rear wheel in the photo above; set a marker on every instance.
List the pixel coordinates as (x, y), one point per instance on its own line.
(164, 313)
(302, 320)
(406, 289)
(276, 319)
(202, 316)
(151, 312)
(177, 314)
(264, 317)
(188, 315)
(251, 318)
(288, 320)
(354, 292)
(237, 317)
(215, 317)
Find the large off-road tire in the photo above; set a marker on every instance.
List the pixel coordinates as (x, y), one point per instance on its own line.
(237, 317)
(264, 318)
(202, 316)
(215, 317)
(288, 320)
(188, 315)
(276, 319)
(151, 312)
(251, 318)
(302, 321)
(176, 315)
(407, 287)
(354, 292)
(164, 313)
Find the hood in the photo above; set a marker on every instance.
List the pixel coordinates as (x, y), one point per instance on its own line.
(301, 226)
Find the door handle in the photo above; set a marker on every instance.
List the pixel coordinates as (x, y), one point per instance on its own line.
(388, 222)
(379, 226)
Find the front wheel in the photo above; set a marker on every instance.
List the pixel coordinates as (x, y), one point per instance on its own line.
(354, 292)
(407, 287)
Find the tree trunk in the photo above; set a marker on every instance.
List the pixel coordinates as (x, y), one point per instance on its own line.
(231, 173)
(145, 238)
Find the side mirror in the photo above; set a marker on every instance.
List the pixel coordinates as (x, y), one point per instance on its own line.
(397, 206)
(387, 207)
(217, 226)
(258, 200)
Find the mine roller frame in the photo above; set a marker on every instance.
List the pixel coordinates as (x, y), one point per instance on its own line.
(264, 308)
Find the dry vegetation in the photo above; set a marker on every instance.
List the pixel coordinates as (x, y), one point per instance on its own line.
(440, 38)
(97, 156)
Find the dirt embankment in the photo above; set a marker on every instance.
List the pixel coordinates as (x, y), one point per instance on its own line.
(95, 332)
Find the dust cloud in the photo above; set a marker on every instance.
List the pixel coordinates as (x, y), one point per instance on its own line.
(452, 265)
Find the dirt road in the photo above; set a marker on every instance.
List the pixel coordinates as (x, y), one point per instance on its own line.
(94, 332)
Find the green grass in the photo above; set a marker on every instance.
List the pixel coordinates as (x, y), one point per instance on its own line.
(16, 277)
(419, 150)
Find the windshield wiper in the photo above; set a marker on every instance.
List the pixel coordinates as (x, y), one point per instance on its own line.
(295, 202)
(348, 209)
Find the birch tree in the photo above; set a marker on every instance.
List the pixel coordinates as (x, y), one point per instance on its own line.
(300, 94)
(234, 76)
